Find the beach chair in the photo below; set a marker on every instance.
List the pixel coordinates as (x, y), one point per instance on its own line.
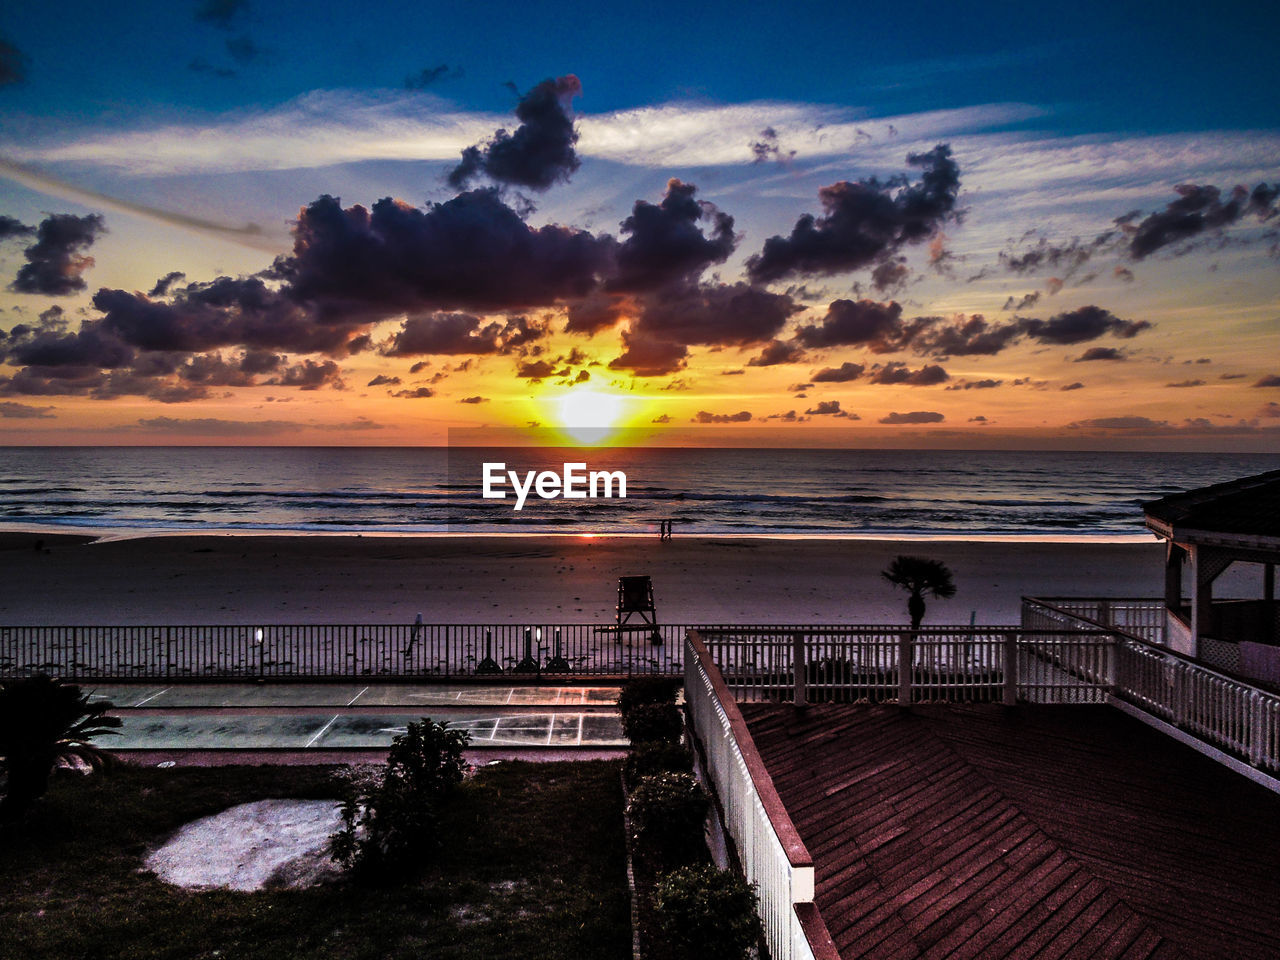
(635, 597)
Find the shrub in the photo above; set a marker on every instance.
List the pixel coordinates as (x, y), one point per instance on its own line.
(668, 812)
(394, 824)
(653, 723)
(704, 912)
(656, 757)
(646, 690)
(42, 721)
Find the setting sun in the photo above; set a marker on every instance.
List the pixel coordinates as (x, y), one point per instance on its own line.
(589, 416)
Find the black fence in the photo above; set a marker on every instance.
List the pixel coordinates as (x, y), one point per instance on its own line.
(325, 651)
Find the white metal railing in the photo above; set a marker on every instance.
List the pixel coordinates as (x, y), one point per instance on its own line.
(772, 854)
(1140, 618)
(1229, 714)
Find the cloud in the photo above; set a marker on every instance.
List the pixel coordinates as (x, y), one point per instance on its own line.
(161, 287)
(1270, 380)
(864, 222)
(444, 333)
(830, 408)
(966, 336)
(382, 380)
(665, 243)
(56, 262)
(474, 400)
(309, 375)
(418, 393)
(1199, 209)
(900, 373)
(661, 418)
(595, 312)
(540, 152)
(1077, 385)
(1101, 353)
(472, 252)
(1022, 303)
(767, 147)
(1065, 258)
(1186, 383)
(1123, 423)
(13, 65)
(538, 370)
(734, 314)
(429, 76)
(646, 356)
(842, 374)
(11, 410)
(704, 417)
(9, 227)
(215, 427)
(988, 384)
(777, 351)
(861, 323)
(1086, 323)
(915, 416)
(221, 13)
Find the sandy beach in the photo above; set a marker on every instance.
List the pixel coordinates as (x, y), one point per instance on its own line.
(216, 579)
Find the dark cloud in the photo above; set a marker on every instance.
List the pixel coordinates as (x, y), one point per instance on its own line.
(1123, 423)
(474, 400)
(1086, 323)
(11, 410)
(382, 380)
(90, 347)
(1199, 209)
(646, 356)
(470, 253)
(769, 148)
(828, 408)
(1101, 353)
(891, 275)
(865, 222)
(1022, 303)
(540, 152)
(1064, 258)
(857, 323)
(538, 370)
(418, 393)
(9, 227)
(212, 370)
(428, 76)
(1072, 386)
(665, 242)
(915, 416)
(310, 375)
(966, 336)
(704, 417)
(162, 285)
(842, 374)
(595, 312)
(661, 418)
(900, 373)
(56, 261)
(987, 384)
(1123, 273)
(777, 351)
(1186, 383)
(220, 13)
(13, 65)
(715, 314)
(1270, 380)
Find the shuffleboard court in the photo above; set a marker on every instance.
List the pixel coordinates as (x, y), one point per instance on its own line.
(355, 731)
(158, 696)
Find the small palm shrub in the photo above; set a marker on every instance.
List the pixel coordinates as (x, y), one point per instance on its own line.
(644, 690)
(655, 757)
(395, 824)
(668, 812)
(707, 913)
(44, 720)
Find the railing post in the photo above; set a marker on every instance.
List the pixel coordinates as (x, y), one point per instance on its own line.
(798, 669)
(1010, 669)
(906, 655)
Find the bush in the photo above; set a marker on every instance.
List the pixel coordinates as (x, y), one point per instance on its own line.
(394, 824)
(646, 690)
(668, 813)
(655, 757)
(704, 912)
(653, 723)
(42, 721)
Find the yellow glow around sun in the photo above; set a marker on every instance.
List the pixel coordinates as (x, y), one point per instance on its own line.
(588, 416)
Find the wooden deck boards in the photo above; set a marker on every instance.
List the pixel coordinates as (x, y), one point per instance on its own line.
(1056, 833)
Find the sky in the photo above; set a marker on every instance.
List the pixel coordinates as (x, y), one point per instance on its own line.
(991, 226)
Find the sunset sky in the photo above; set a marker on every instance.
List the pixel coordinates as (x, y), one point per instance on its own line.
(1008, 225)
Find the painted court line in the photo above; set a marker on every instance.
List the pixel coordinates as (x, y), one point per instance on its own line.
(357, 696)
(152, 697)
(321, 731)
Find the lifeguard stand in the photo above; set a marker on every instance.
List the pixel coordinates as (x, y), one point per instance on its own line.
(635, 596)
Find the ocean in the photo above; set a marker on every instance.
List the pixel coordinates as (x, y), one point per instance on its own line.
(961, 494)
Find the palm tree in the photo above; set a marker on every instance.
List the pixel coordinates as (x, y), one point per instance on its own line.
(42, 721)
(919, 575)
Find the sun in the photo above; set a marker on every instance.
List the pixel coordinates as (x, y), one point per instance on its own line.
(589, 417)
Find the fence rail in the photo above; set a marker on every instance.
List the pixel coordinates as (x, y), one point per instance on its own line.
(773, 856)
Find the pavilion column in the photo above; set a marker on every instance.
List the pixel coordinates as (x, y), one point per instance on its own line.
(1207, 564)
(1174, 558)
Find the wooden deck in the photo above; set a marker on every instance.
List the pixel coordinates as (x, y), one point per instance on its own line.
(1048, 832)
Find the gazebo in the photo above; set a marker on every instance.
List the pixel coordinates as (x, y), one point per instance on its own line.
(1210, 529)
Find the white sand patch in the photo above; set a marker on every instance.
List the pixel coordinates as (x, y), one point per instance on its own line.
(269, 843)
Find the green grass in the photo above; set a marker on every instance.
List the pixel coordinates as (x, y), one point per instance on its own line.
(533, 867)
